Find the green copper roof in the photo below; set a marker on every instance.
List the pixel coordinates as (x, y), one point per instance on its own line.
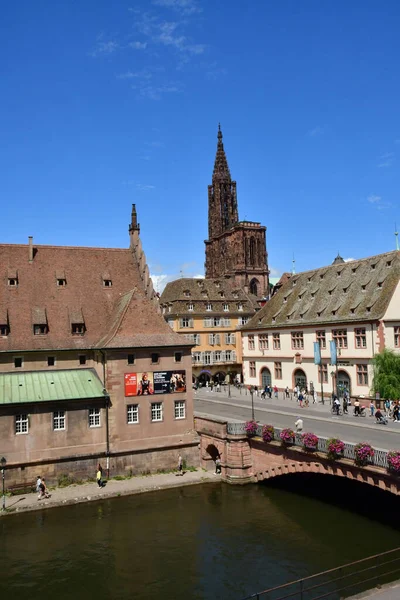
(42, 386)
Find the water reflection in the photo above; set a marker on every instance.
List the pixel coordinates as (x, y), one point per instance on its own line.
(195, 542)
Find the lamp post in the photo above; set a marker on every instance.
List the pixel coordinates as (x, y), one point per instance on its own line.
(3, 464)
(229, 384)
(252, 404)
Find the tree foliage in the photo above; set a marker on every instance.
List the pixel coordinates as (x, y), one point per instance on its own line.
(386, 380)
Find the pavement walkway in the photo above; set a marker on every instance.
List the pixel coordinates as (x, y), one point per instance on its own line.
(88, 492)
(387, 592)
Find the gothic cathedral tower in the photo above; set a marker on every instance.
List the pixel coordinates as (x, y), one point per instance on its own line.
(235, 249)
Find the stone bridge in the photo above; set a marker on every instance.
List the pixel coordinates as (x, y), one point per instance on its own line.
(250, 460)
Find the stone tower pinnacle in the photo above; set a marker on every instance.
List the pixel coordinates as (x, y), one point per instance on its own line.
(222, 202)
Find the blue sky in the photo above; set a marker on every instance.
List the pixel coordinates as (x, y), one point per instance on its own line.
(108, 103)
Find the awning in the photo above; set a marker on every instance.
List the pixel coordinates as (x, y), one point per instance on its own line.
(45, 386)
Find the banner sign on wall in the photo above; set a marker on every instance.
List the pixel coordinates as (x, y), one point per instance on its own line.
(333, 352)
(139, 384)
(160, 382)
(317, 354)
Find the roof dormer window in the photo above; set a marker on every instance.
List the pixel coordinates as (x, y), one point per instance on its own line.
(40, 329)
(284, 299)
(222, 294)
(39, 321)
(208, 306)
(373, 267)
(240, 307)
(363, 287)
(187, 293)
(78, 328)
(60, 278)
(226, 307)
(61, 282)
(389, 263)
(380, 284)
(107, 281)
(4, 330)
(321, 276)
(12, 282)
(190, 306)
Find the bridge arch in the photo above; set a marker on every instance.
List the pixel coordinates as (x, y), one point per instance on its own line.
(385, 484)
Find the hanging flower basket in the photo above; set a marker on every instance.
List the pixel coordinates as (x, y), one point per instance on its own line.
(335, 448)
(393, 459)
(310, 441)
(363, 453)
(287, 436)
(250, 428)
(268, 433)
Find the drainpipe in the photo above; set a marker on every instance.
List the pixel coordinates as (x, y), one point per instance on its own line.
(107, 404)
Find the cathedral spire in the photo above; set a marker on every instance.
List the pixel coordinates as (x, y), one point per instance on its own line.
(221, 169)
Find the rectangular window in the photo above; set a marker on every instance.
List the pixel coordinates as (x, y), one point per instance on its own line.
(132, 414)
(59, 420)
(362, 374)
(226, 307)
(61, 282)
(208, 307)
(251, 342)
(94, 417)
(21, 424)
(340, 337)
(178, 356)
(278, 370)
(180, 409)
(155, 358)
(82, 359)
(230, 338)
(40, 329)
(185, 322)
(252, 368)
(360, 337)
(78, 328)
(107, 283)
(323, 369)
(297, 340)
(18, 361)
(217, 322)
(321, 339)
(51, 361)
(397, 337)
(243, 320)
(207, 358)
(4, 330)
(196, 357)
(276, 341)
(263, 341)
(156, 411)
(240, 307)
(228, 356)
(131, 359)
(217, 356)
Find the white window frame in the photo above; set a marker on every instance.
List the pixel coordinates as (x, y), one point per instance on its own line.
(21, 424)
(196, 357)
(226, 307)
(59, 420)
(132, 414)
(94, 417)
(156, 409)
(180, 409)
(208, 307)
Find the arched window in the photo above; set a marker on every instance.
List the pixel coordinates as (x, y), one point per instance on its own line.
(300, 379)
(254, 287)
(265, 377)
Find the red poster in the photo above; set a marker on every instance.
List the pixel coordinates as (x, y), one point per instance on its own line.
(130, 384)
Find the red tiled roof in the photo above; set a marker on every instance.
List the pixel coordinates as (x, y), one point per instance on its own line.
(116, 316)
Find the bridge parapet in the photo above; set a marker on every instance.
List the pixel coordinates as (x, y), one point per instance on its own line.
(249, 459)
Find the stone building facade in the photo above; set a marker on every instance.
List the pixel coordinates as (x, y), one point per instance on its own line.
(234, 249)
(356, 304)
(89, 369)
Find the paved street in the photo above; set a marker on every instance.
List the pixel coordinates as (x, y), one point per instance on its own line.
(282, 413)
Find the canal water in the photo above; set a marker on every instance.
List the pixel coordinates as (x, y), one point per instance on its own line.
(200, 542)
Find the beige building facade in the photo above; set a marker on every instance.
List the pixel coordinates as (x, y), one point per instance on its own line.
(356, 304)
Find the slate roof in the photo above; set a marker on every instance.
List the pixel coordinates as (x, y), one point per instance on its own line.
(358, 290)
(202, 291)
(117, 316)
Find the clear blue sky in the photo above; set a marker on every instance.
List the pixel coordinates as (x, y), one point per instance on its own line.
(108, 103)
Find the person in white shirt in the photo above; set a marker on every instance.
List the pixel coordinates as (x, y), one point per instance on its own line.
(299, 424)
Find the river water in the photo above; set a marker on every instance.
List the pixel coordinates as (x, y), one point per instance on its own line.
(200, 542)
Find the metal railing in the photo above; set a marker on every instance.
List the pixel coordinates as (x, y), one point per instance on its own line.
(341, 582)
(378, 460)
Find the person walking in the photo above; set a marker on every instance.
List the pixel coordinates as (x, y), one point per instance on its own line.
(180, 465)
(99, 473)
(345, 405)
(287, 392)
(38, 488)
(218, 466)
(275, 391)
(299, 425)
(300, 399)
(371, 408)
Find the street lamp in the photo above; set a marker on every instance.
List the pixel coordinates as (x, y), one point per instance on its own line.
(3, 464)
(252, 404)
(229, 384)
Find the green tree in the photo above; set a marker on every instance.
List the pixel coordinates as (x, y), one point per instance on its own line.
(386, 380)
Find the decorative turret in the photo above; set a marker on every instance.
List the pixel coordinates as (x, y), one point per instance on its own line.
(338, 260)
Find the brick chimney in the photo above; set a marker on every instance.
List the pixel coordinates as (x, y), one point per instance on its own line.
(30, 245)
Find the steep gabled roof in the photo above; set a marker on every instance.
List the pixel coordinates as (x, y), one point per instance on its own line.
(352, 291)
(200, 292)
(38, 299)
